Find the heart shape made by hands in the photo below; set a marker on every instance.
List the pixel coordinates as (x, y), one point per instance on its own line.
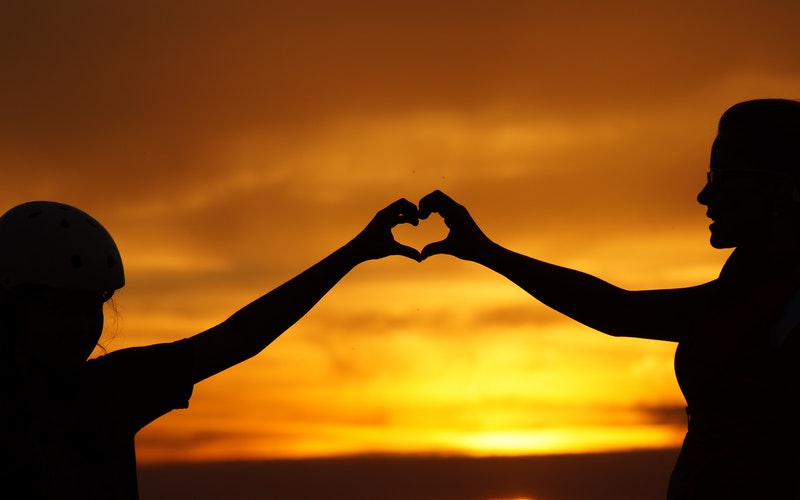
(428, 231)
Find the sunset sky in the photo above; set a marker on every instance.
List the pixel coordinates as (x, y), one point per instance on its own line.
(229, 145)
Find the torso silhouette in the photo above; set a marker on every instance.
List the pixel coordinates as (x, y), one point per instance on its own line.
(738, 384)
(73, 437)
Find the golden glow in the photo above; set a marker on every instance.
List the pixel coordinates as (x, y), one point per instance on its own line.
(228, 150)
(438, 357)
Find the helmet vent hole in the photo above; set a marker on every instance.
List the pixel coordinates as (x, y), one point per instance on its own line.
(110, 261)
(92, 223)
(64, 223)
(76, 261)
(33, 215)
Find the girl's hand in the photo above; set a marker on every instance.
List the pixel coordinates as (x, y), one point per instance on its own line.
(465, 239)
(377, 241)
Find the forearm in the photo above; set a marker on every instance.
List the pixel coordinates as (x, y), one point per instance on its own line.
(258, 324)
(287, 303)
(578, 295)
(653, 314)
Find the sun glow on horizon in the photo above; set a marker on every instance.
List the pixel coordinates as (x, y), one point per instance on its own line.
(509, 390)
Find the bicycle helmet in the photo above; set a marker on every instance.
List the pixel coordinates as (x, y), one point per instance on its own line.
(53, 244)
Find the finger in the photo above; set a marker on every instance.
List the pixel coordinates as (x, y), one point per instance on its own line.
(403, 211)
(435, 248)
(434, 202)
(408, 218)
(407, 251)
(429, 204)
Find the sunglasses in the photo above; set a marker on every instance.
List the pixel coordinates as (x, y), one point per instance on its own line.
(716, 175)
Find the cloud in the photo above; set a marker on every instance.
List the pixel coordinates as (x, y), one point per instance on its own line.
(230, 145)
(147, 95)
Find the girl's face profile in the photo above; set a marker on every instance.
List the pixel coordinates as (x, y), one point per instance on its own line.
(60, 328)
(741, 199)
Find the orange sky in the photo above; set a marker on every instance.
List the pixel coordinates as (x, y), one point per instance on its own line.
(228, 147)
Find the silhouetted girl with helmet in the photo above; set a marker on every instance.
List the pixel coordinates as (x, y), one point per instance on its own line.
(68, 423)
(738, 354)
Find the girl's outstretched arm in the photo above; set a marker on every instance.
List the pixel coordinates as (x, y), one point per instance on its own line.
(652, 314)
(256, 325)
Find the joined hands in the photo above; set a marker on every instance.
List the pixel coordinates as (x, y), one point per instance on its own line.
(464, 240)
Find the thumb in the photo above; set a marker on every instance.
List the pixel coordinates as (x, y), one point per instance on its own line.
(407, 251)
(436, 248)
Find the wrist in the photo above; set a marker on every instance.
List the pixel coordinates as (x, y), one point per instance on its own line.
(354, 252)
(487, 252)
